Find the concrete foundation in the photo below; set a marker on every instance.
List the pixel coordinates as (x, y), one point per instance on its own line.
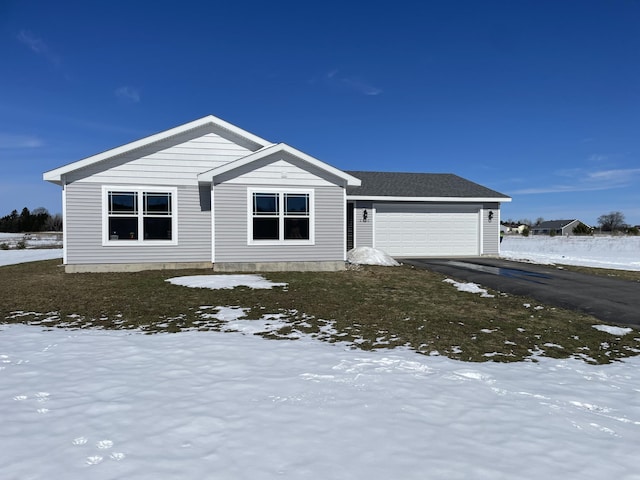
(279, 266)
(133, 267)
(334, 266)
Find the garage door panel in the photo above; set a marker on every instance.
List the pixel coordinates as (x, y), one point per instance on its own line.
(415, 230)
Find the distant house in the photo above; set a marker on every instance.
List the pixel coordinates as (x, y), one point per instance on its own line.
(556, 227)
(208, 194)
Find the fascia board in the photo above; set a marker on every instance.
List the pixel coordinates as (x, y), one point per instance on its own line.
(206, 177)
(429, 199)
(209, 175)
(55, 175)
(350, 179)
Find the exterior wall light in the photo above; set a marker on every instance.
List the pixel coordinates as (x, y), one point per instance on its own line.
(490, 215)
(364, 215)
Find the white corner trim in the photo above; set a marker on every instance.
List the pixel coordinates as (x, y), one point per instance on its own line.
(481, 230)
(64, 225)
(344, 224)
(213, 227)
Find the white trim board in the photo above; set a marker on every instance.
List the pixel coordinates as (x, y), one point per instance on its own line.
(430, 199)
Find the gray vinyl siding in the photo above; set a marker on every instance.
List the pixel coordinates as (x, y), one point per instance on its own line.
(173, 161)
(363, 230)
(279, 168)
(490, 229)
(84, 231)
(231, 218)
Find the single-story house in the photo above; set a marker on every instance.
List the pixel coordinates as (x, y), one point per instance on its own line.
(556, 227)
(208, 194)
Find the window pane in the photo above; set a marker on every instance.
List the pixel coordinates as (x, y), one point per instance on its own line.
(265, 229)
(157, 228)
(123, 228)
(265, 203)
(296, 229)
(157, 203)
(123, 202)
(296, 203)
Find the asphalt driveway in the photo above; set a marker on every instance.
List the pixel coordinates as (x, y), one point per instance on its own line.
(608, 299)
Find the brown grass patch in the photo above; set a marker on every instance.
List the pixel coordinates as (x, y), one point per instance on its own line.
(367, 307)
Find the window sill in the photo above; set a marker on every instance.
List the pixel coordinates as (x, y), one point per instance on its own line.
(280, 242)
(138, 243)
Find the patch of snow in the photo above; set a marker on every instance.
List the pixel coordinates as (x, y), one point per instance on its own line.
(469, 287)
(216, 282)
(618, 331)
(370, 256)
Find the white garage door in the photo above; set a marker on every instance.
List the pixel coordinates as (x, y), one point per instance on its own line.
(427, 231)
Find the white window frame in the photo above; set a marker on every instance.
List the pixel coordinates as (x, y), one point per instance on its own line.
(281, 216)
(139, 191)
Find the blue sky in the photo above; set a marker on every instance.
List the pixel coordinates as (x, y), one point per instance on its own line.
(539, 100)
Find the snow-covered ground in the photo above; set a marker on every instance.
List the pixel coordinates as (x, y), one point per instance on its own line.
(120, 404)
(11, 257)
(32, 240)
(110, 405)
(621, 252)
(39, 246)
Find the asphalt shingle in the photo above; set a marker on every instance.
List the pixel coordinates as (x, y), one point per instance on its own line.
(401, 184)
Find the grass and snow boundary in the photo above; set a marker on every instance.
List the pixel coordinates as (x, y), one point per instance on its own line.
(104, 404)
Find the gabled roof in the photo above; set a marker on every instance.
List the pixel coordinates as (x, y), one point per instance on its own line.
(420, 186)
(264, 152)
(554, 224)
(56, 175)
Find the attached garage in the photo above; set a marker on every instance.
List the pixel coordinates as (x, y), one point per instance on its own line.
(404, 230)
(423, 215)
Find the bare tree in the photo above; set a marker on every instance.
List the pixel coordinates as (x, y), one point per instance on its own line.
(611, 222)
(54, 223)
(39, 211)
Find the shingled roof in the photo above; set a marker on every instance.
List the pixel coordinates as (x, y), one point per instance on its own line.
(425, 185)
(553, 224)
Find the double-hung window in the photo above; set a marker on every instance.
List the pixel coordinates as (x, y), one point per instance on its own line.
(281, 217)
(139, 215)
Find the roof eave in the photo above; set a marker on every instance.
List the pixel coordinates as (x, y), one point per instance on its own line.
(428, 199)
(52, 177)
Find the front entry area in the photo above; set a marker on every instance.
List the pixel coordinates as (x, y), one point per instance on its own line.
(412, 230)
